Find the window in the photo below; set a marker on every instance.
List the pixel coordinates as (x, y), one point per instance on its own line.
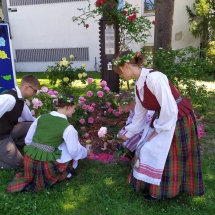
(149, 6)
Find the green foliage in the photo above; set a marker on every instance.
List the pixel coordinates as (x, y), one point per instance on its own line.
(202, 20)
(184, 67)
(132, 28)
(64, 73)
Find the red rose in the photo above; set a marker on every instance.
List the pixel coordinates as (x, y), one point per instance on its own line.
(124, 12)
(87, 26)
(154, 22)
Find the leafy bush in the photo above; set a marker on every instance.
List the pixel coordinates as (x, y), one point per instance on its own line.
(184, 67)
(64, 73)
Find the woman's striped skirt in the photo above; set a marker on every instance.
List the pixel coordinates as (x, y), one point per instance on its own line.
(39, 175)
(182, 171)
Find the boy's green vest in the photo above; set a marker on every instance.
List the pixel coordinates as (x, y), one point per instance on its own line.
(49, 132)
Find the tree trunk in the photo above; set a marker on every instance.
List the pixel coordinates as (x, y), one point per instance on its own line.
(164, 10)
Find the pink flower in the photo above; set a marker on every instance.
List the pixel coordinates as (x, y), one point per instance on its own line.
(84, 107)
(91, 109)
(44, 89)
(39, 104)
(27, 102)
(100, 94)
(32, 112)
(89, 93)
(50, 92)
(81, 98)
(34, 101)
(102, 132)
(117, 114)
(108, 104)
(35, 106)
(90, 120)
(93, 104)
(82, 128)
(86, 135)
(82, 121)
(201, 131)
(138, 54)
(107, 89)
(89, 80)
(103, 84)
(110, 110)
(55, 92)
(55, 101)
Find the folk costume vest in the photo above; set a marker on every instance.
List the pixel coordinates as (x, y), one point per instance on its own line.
(10, 119)
(47, 137)
(151, 103)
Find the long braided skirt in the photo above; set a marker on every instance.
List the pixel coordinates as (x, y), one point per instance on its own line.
(39, 175)
(182, 171)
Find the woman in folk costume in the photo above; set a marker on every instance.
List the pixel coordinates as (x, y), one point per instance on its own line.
(167, 159)
(52, 150)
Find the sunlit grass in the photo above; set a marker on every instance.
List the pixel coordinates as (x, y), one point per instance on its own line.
(101, 189)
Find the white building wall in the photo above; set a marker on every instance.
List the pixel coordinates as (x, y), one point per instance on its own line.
(181, 36)
(51, 26)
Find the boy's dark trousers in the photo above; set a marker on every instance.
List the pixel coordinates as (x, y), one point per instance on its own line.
(10, 156)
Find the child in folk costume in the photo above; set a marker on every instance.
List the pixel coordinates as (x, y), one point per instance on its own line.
(132, 142)
(15, 120)
(52, 150)
(167, 160)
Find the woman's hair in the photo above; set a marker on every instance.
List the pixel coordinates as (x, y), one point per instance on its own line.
(30, 79)
(64, 101)
(123, 57)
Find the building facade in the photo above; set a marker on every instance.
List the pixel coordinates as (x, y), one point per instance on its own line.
(42, 32)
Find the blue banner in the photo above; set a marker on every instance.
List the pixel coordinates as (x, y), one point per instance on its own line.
(7, 72)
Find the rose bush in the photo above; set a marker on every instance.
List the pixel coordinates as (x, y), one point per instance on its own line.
(64, 73)
(132, 28)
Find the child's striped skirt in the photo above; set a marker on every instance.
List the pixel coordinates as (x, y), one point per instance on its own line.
(182, 171)
(39, 175)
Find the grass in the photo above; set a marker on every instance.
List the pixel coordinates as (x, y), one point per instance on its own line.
(101, 189)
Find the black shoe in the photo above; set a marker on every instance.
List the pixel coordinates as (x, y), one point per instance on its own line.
(73, 175)
(145, 191)
(149, 198)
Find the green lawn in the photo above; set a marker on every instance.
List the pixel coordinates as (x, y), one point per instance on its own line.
(101, 189)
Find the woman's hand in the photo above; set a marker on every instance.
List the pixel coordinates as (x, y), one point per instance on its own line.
(154, 133)
(123, 137)
(128, 107)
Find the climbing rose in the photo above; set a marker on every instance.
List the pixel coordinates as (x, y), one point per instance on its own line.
(154, 22)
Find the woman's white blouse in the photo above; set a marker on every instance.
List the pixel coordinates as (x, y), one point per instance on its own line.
(158, 84)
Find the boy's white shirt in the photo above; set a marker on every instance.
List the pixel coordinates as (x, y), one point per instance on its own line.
(7, 103)
(71, 147)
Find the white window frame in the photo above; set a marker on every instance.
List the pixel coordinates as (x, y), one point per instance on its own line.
(145, 13)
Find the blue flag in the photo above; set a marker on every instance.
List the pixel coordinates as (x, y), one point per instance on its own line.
(7, 72)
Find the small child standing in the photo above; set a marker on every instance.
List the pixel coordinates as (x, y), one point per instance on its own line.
(52, 150)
